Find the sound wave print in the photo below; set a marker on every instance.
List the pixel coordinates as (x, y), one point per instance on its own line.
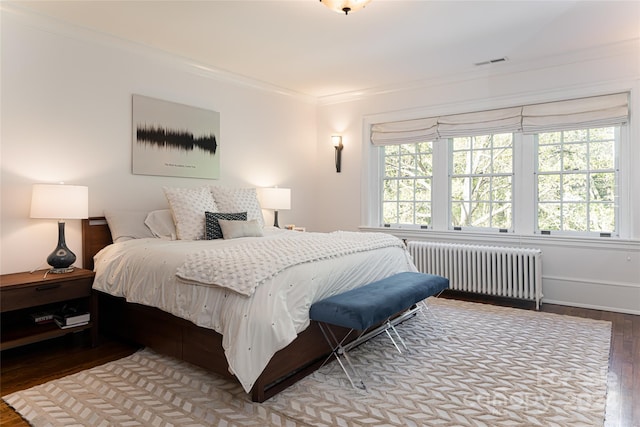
(169, 138)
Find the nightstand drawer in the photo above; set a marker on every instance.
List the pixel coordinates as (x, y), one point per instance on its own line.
(23, 294)
(45, 292)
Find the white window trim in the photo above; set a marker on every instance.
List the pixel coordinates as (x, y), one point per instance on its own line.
(620, 130)
(450, 176)
(523, 214)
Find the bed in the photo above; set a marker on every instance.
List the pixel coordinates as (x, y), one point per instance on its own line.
(263, 338)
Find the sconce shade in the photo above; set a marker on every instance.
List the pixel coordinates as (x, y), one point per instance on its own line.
(345, 6)
(58, 201)
(277, 199)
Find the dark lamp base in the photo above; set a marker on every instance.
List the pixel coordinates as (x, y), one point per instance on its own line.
(61, 259)
(61, 270)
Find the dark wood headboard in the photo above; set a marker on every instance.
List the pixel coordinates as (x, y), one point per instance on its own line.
(95, 236)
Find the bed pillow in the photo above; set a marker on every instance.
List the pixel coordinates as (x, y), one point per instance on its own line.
(212, 226)
(238, 200)
(127, 225)
(235, 229)
(188, 206)
(161, 224)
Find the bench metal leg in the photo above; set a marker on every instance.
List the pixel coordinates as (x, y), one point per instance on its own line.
(388, 326)
(338, 350)
(341, 350)
(380, 329)
(424, 309)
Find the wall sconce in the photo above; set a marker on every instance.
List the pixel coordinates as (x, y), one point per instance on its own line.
(337, 143)
(58, 201)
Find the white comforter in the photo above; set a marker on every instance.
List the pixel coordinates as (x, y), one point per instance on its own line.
(253, 328)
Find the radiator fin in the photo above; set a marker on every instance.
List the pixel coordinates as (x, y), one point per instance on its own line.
(490, 270)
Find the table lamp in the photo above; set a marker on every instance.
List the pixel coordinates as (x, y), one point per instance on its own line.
(59, 201)
(277, 199)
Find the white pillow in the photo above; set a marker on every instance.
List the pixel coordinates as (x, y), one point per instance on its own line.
(188, 206)
(161, 224)
(233, 229)
(238, 200)
(127, 225)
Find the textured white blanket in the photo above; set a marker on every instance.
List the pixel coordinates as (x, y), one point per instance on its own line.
(243, 268)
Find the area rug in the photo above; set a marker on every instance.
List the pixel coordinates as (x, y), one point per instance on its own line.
(468, 364)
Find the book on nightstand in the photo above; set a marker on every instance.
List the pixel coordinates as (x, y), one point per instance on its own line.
(73, 325)
(70, 317)
(42, 317)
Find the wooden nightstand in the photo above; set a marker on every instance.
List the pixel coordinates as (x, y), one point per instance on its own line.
(22, 294)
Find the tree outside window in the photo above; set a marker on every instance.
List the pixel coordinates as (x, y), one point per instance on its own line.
(408, 171)
(577, 180)
(481, 181)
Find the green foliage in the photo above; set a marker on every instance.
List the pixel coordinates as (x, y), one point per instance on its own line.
(577, 180)
(481, 182)
(407, 184)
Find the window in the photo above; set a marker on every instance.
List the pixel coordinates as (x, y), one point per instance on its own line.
(577, 180)
(481, 181)
(547, 168)
(408, 170)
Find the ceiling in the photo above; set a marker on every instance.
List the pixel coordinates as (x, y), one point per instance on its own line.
(301, 46)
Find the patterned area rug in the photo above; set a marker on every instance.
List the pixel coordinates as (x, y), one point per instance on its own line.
(467, 365)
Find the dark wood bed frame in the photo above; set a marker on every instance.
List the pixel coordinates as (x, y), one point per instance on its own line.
(179, 338)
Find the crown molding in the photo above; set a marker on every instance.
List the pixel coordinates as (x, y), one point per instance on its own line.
(36, 20)
(625, 48)
(56, 26)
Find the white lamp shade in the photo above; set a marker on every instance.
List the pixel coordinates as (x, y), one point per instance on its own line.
(59, 201)
(275, 198)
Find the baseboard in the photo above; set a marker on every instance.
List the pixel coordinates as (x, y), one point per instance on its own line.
(489, 299)
(593, 306)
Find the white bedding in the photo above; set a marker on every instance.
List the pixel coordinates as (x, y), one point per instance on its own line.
(253, 328)
(242, 268)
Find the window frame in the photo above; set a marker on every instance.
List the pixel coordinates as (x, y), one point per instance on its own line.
(451, 175)
(617, 140)
(382, 177)
(523, 187)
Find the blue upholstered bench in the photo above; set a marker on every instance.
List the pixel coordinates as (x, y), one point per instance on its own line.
(373, 304)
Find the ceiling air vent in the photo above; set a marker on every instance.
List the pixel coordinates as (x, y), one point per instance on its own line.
(491, 61)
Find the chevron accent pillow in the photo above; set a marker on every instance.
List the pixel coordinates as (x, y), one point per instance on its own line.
(212, 226)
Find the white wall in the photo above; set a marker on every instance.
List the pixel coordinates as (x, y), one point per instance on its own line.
(594, 273)
(66, 116)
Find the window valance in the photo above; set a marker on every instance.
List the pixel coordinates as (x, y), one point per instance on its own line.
(580, 113)
(403, 132)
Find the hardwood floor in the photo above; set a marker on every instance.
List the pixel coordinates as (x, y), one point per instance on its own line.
(623, 385)
(38, 363)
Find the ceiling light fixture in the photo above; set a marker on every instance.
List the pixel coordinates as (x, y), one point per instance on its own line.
(345, 6)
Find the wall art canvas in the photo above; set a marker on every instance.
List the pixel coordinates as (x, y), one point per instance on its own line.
(171, 139)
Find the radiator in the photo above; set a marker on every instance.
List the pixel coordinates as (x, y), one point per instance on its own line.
(489, 270)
